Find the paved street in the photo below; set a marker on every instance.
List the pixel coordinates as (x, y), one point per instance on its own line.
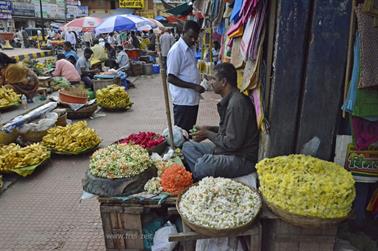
(44, 212)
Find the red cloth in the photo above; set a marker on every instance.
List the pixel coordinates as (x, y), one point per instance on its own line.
(365, 132)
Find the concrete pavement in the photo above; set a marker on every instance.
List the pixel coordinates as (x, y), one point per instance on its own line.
(44, 212)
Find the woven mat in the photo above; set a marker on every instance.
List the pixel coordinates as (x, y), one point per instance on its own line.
(369, 49)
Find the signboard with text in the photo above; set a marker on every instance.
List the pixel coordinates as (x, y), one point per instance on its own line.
(5, 9)
(23, 9)
(131, 4)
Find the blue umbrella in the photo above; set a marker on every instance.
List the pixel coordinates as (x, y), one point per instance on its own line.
(160, 18)
(122, 23)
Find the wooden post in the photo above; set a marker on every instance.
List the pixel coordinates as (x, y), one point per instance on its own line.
(352, 30)
(163, 74)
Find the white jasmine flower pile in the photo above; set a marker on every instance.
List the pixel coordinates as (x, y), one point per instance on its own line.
(219, 203)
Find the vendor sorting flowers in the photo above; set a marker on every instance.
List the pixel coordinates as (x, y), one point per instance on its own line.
(18, 76)
(233, 147)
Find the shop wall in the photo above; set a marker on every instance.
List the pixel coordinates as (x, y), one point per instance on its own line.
(309, 63)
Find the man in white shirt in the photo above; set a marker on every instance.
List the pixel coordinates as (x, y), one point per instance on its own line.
(70, 37)
(87, 39)
(184, 77)
(165, 44)
(122, 58)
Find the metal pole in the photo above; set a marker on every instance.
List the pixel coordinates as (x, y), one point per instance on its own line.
(65, 11)
(42, 21)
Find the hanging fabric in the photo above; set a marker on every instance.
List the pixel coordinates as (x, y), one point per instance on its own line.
(236, 57)
(364, 132)
(353, 84)
(369, 49)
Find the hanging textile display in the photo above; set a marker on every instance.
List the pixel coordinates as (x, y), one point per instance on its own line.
(369, 49)
(353, 84)
(236, 56)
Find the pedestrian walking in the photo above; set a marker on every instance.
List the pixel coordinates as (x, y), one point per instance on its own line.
(184, 77)
(165, 44)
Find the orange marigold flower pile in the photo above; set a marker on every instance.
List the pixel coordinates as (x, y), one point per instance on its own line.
(176, 179)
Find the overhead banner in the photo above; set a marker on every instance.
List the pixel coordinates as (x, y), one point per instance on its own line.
(131, 4)
(23, 9)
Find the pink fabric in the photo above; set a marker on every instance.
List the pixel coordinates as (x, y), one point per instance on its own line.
(64, 68)
(365, 132)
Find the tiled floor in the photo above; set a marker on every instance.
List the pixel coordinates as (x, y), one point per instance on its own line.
(44, 211)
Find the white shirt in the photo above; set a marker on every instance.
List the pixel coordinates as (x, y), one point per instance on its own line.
(70, 37)
(123, 59)
(181, 62)
(110, 40)
(165, 43)
(87, 37)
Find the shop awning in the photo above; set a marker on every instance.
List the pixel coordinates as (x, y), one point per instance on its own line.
(181, 10)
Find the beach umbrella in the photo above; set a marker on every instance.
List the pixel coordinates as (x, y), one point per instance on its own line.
(157, 23)
(82, 24)
(123, 23)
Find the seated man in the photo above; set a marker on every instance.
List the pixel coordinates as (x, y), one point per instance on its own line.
(83, 68)
(64, 68)
(122, 58)
(233, 147)
(69, 53)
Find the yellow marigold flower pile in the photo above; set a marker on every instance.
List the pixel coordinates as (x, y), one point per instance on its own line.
(307, 186)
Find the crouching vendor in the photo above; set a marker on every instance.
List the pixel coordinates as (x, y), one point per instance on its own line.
(232, 147)
(18, 76)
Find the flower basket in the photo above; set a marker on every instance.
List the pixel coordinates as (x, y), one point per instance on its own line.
(213, 232)
(303, 221)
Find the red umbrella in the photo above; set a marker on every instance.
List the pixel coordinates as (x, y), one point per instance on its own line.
(83, 24)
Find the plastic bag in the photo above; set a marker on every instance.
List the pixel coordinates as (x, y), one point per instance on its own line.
(117, 187)
(311, 147)
(161, 236)
(178, 136)
(205, 84)
(41, 125)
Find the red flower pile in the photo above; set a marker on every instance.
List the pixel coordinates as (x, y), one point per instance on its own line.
(144, 139)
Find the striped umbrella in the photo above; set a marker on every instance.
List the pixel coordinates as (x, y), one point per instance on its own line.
(156, 22)
(123, 23)
(82, 24)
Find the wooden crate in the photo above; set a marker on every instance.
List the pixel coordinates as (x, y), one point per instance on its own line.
(281, 236)
(122, 226)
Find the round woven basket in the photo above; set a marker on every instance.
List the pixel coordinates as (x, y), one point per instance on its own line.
(115, 109)
(7, 138)
(62, 120)
(303, 221)
(10, 107)
(82, 113)
(33, 137)
(83, 151)
(217, 232)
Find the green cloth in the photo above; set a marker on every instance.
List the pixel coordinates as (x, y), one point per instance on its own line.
(366, 103)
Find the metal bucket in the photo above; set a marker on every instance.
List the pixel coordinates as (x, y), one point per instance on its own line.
(147, 69)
